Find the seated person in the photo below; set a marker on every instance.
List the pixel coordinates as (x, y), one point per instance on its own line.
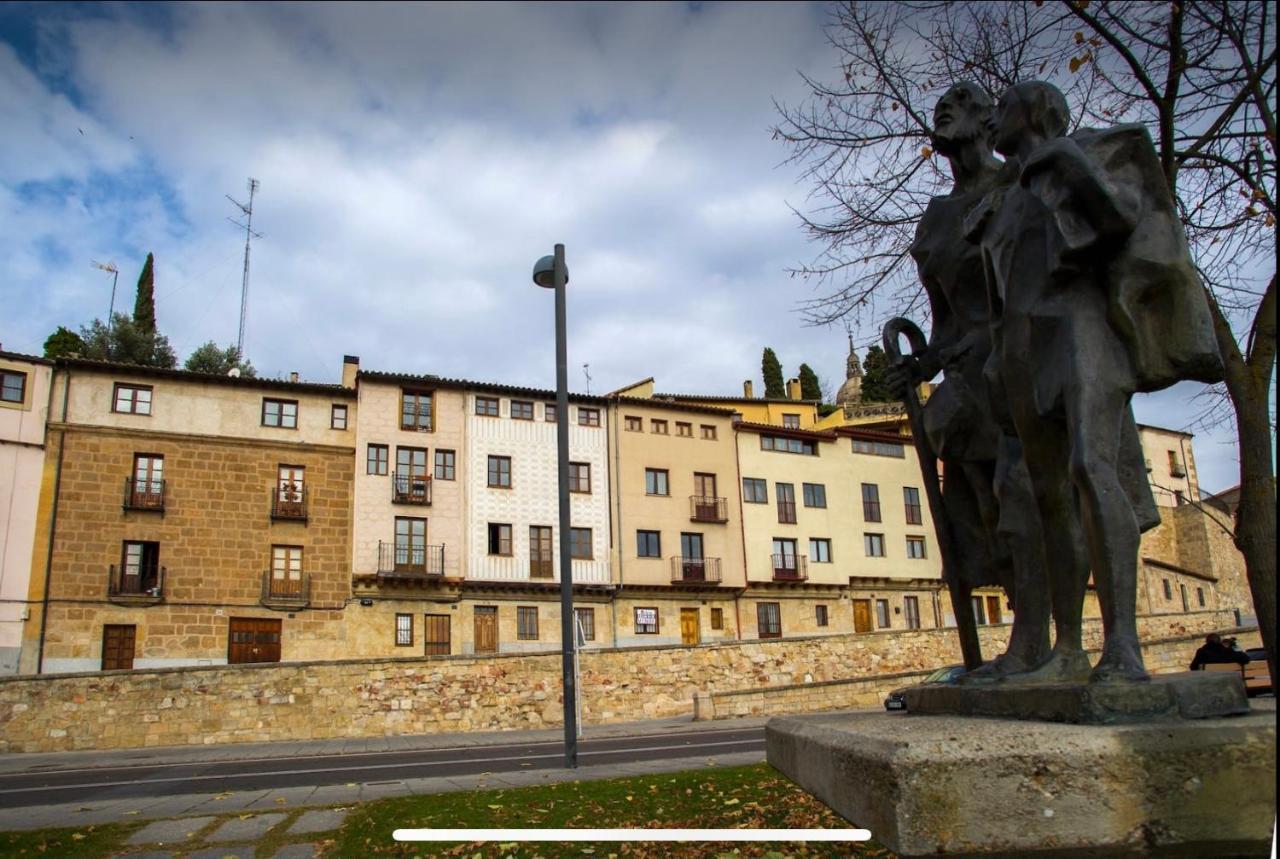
(1213, 651)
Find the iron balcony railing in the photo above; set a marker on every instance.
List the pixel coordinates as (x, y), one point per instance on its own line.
(143, 494)
(790, 568)
(410, 488)
(787, 512)
(289, 502)
(143, 581)
(284, 588)
(685, 570)
(404, 560)
(541, 568)
(705, 508)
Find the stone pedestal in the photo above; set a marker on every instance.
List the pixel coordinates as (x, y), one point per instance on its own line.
(964, 786)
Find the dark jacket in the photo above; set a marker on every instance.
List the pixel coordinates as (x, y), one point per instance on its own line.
(1217, 653)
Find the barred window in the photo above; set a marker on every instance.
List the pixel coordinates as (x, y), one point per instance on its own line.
(527, 623)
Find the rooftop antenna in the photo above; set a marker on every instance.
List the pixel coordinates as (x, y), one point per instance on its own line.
(586, 371)
(247, 209)
(115, 276)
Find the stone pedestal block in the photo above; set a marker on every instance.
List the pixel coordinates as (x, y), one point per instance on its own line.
(956, 786)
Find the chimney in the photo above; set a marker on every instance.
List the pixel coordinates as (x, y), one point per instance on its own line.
(293, 377)
(747, 390)
(793, 389)
(350, 366)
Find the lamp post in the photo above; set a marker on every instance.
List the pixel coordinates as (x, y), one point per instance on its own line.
(111, 311)
(550, 272)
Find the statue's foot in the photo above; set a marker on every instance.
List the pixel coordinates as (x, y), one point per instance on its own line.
(1062, 666)
(1005, 665)
(1120, 663)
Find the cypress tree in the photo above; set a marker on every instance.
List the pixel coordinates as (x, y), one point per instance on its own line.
(810, 387)
(771, 368)
(144, 307)
(874, 387)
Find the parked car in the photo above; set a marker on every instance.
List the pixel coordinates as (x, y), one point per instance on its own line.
(897, 699)
(1257, 676)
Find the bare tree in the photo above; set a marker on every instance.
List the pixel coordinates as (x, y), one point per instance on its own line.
(1201, 75)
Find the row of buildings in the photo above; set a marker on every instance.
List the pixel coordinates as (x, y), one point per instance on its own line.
(166, 518)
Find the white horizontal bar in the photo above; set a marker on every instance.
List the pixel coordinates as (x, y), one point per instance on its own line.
(501, 835)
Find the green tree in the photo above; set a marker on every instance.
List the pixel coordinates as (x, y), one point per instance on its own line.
(62, 343)
(810, 387)
(124, 342)
(771, 368)
(211, 358)
(874, 387)
(144, 306)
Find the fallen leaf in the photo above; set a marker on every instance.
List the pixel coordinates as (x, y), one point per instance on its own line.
(77, 836)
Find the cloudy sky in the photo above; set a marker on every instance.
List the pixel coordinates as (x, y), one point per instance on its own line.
(414, 162)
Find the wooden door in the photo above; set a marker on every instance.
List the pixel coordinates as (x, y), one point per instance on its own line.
(692, 566)
(690, 626)
(862, 615)
(117, 646)
(993, 610)
(486, 629)
(250, 639)
(437, 635)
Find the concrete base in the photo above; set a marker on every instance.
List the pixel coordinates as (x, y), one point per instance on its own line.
(1189, 695)
(948, 786)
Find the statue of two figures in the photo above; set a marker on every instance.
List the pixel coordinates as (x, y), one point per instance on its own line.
(1060, 284)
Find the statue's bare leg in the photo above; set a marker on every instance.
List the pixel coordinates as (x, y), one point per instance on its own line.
(1020, 532)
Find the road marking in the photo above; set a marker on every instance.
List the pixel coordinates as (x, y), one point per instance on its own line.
(400, 765)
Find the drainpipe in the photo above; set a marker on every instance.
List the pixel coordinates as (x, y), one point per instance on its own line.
(742, 531)
(617, 491)
(53, 521)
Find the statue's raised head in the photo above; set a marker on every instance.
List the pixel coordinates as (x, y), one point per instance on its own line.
(1029, 108)
(963, 114)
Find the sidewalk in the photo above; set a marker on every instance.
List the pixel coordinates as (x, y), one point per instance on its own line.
(293, 798)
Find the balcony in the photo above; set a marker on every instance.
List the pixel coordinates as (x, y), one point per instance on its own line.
(790, 568)
(787, 512)
(410, 563)
(410, 488)
(703, 508)
(541, 568)
(143, 494)
(289, 503)
(135, 586)
(695, 571)
(1176, 469)
(285, 594)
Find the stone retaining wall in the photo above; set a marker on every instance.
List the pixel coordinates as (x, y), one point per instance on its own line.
(362, 698)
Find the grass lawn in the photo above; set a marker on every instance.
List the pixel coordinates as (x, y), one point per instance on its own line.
(754, 796)
(85, 841)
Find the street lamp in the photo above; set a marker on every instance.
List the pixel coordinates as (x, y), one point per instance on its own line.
(111, 311)
(550, 272)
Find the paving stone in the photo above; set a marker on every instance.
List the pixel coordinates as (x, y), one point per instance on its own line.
(245, 829)
(319, 820)
(152, 854)
(244, 851)
(293, 851)
(170, 831)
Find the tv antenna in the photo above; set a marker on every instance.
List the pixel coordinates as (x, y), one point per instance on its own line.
(586, 371)
(249, 234)
(115, 276)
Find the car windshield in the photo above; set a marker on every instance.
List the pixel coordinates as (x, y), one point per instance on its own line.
(940, 675)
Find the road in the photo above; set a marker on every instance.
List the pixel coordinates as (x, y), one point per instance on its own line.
(47, 784)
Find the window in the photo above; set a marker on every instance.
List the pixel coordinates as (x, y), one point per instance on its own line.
(648, 544)
(786, 493)
(717, 618)
(911, 608)
(404, 630)
(416, 411)
(646, 620)
(586, 622)
(785, 563)
(580, 544)
(286, 570)
(769, 620)
(874, 545)
(580, 477)
(658, 427)
(979, 610)
(146, 491)
(411, 544)
(411, 462)
(791, 421)
(540, 553)
(588, 417)
(290, 490)
(445, 464)
(527, 622)
(882, 614)
(279, 413)
(820, 614)
(684, 429)
(13, 386)
(500, 471)
(655, 481)
(708, 432)
(338, 417)
(870, 502)
(815, 495)
(788, 445)
(1168, 590)
(377, 460)
(878, 448)
(634, 424)
(410, 484)
(132, 399)
(499, 539)
(1200, 597)
(911, 503)
(549, 413)
(487, 407)
(915, 548)
(139, 569)
(755, 490)
(820, 550)
(521, 410)
(1175, 467)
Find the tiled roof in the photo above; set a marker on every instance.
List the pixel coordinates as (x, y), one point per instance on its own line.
(429, 381)
(18, 356)
(206, 378)
(786, 432)
(701, 397)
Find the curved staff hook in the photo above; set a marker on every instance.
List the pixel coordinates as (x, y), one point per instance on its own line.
(961, 606)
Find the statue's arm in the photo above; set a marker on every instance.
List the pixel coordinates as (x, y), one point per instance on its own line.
(1108, 210)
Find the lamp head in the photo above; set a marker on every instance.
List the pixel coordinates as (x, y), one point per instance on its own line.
(544, 272)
